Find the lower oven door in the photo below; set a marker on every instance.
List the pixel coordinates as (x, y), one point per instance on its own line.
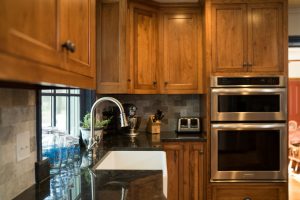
(249, 152)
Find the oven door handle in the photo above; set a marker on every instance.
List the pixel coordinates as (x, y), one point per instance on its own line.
(246, 91)
(245, 126)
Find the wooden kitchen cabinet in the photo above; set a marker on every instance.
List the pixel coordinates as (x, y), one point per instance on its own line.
(247, 192)
(144, 71)
(149, 48)
(185, 163)
(78, 27)
(112, 66)
(248, 37)
(31, 36)
(181, 51)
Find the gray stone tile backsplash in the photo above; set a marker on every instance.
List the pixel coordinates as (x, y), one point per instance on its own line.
(174, 106)
(17, 115)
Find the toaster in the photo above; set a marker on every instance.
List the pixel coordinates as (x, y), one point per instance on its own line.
(188, 124)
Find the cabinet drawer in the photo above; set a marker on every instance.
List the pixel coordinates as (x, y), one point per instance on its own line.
(249, 193)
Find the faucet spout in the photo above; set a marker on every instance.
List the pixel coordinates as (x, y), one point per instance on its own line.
(123, 119)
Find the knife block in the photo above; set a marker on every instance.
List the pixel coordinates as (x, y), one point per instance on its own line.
(153, 126)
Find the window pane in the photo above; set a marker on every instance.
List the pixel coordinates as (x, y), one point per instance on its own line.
(74, 91)
(46, 111)
(74, 116)
(47, 91)
(61, 91)
(61, 113)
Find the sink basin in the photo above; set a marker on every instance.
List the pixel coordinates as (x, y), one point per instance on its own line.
(136, 160)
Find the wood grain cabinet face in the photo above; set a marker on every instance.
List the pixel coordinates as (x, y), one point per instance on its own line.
(265, 37)
(31, 36)
(181, 55)
(112, 67)
(144, 40)
(247, 37)
(29, 30)
(76, 27)
(229, 38)
(248, 193)
(185, 162)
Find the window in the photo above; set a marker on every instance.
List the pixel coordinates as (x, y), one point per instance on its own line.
(61, 108)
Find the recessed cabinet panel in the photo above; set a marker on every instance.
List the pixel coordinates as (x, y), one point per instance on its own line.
(229, 41)
(248, 37)
(185, 162)
(29, 29)
(265, 37)
(111, 47)
(180, 64)
(145, 44)
(76, 28)
(110, 43)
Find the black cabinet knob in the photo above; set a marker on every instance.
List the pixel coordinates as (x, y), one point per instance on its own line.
(69, 46)
(154, 82)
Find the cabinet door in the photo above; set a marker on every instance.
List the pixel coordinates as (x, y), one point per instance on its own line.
(78, 28)
(112, 71)
(196, 162)
(29, 30)
(180, 54)
(265, 37)
(175, 161)
(143, 28)
(229, 37)
(248, 192)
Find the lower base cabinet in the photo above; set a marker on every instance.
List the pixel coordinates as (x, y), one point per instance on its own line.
(264, 191)
(185, 163)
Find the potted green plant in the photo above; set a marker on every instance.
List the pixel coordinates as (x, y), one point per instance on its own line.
(85, 127)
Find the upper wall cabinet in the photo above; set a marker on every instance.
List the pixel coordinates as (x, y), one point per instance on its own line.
(112, 68)
(76, 29)
(145, 47)
(181, 51)
(247, 37)
(48, 42)
(144, 71)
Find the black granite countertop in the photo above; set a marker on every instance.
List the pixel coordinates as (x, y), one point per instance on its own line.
(80, 181)
(182, 137)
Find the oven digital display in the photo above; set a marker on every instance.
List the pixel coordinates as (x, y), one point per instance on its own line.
(248, 150)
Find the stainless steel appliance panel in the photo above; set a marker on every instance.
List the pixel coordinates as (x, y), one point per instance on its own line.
(248, 104)
(249, 152)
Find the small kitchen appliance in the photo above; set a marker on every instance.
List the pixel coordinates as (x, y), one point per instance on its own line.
(188, 124)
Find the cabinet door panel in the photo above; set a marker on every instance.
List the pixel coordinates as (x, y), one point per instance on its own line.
(78, 27)
(29, 29)
(111, 47)
(229, 43)
(180, 52)
(144, 30)
(175, 158)
(196, 172)
(238, 193)
(265, 39)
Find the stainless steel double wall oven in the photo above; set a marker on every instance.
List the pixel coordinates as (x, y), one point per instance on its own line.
(248, 128)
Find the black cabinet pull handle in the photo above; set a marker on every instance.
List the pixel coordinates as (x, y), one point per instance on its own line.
(244, 64)
(69, 46)
(166, 83)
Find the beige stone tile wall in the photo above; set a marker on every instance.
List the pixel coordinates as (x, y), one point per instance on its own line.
(17, 115)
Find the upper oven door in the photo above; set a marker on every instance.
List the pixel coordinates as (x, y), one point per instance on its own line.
(248, 104)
